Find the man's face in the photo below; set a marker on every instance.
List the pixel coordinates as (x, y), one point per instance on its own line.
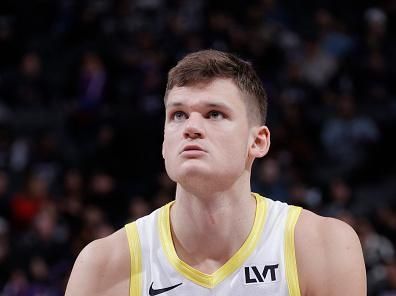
(207, 134)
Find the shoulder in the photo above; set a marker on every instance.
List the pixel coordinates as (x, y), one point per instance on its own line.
(102, 267)
(329, 257)
(329, 232)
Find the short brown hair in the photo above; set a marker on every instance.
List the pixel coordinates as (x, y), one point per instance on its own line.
(206, 65)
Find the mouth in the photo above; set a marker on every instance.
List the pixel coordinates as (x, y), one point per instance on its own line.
(192, 148)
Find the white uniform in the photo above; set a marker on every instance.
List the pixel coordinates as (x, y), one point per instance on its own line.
(264, 265)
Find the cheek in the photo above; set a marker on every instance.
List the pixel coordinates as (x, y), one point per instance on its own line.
(234, 147)
(167, 155)
(165, 149)
(166, 144)
(168, 148)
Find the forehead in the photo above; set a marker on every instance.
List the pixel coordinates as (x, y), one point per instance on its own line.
(218, 91)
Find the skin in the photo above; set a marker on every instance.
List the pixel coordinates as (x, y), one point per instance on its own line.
(209, 146)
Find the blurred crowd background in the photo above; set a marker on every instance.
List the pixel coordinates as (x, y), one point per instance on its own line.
(81, 119)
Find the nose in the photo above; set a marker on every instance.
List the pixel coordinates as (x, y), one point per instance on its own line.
(194, 128)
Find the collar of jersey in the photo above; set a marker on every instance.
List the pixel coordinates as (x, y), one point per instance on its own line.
(198, 277)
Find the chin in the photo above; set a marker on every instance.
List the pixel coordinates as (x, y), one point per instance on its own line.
(194, 172)
(204, 174)
(199, 179)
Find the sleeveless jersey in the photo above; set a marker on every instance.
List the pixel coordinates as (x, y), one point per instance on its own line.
(264, 265)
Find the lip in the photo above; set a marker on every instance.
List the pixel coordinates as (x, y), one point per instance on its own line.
(192, 149)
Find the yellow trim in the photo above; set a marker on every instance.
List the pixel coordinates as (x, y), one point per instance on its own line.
(211, 280)
(135, 284)
(290, 254)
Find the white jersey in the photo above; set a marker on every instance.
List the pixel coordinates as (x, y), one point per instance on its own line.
(264, 265)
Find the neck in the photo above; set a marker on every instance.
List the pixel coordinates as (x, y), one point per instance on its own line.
(209, 229)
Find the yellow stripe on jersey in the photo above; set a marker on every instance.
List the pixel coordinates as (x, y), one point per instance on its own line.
(235, 262)
(290, 255)
(135, 283)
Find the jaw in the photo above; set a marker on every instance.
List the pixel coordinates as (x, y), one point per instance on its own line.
(205, 181)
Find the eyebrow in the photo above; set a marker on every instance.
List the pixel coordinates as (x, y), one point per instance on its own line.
(205, 104)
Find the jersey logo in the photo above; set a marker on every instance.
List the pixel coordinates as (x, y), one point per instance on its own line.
(153, 291)
(266, 274)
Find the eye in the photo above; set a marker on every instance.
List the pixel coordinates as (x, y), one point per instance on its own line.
(216, 115)
(179, 116)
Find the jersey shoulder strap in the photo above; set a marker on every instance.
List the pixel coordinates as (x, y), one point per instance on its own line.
(135, 283)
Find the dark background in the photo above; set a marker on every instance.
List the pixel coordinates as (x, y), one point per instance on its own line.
(81, 119)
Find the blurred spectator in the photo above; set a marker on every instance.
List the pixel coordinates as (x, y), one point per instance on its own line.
(386, 217)
(27, 86)
(138, 207)
(376, 22)
(378, 251)
(47, 157)
(4, 196)
(5, 252)
(5, 143)
(317, 65)
(340, 194)
(9, 48)
(26, 204)
(103, 193)
(347, 137)
(19, 155)
(271, 180)
(44, 246)
(304, 196)
(71, 199)
(92, 81)
(17, 285)
(389, 288)
(333, 39)
(94, 226)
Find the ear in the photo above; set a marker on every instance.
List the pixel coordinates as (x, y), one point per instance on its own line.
(261, 141)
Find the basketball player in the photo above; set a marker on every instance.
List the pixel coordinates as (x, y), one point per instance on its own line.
(217, 237)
